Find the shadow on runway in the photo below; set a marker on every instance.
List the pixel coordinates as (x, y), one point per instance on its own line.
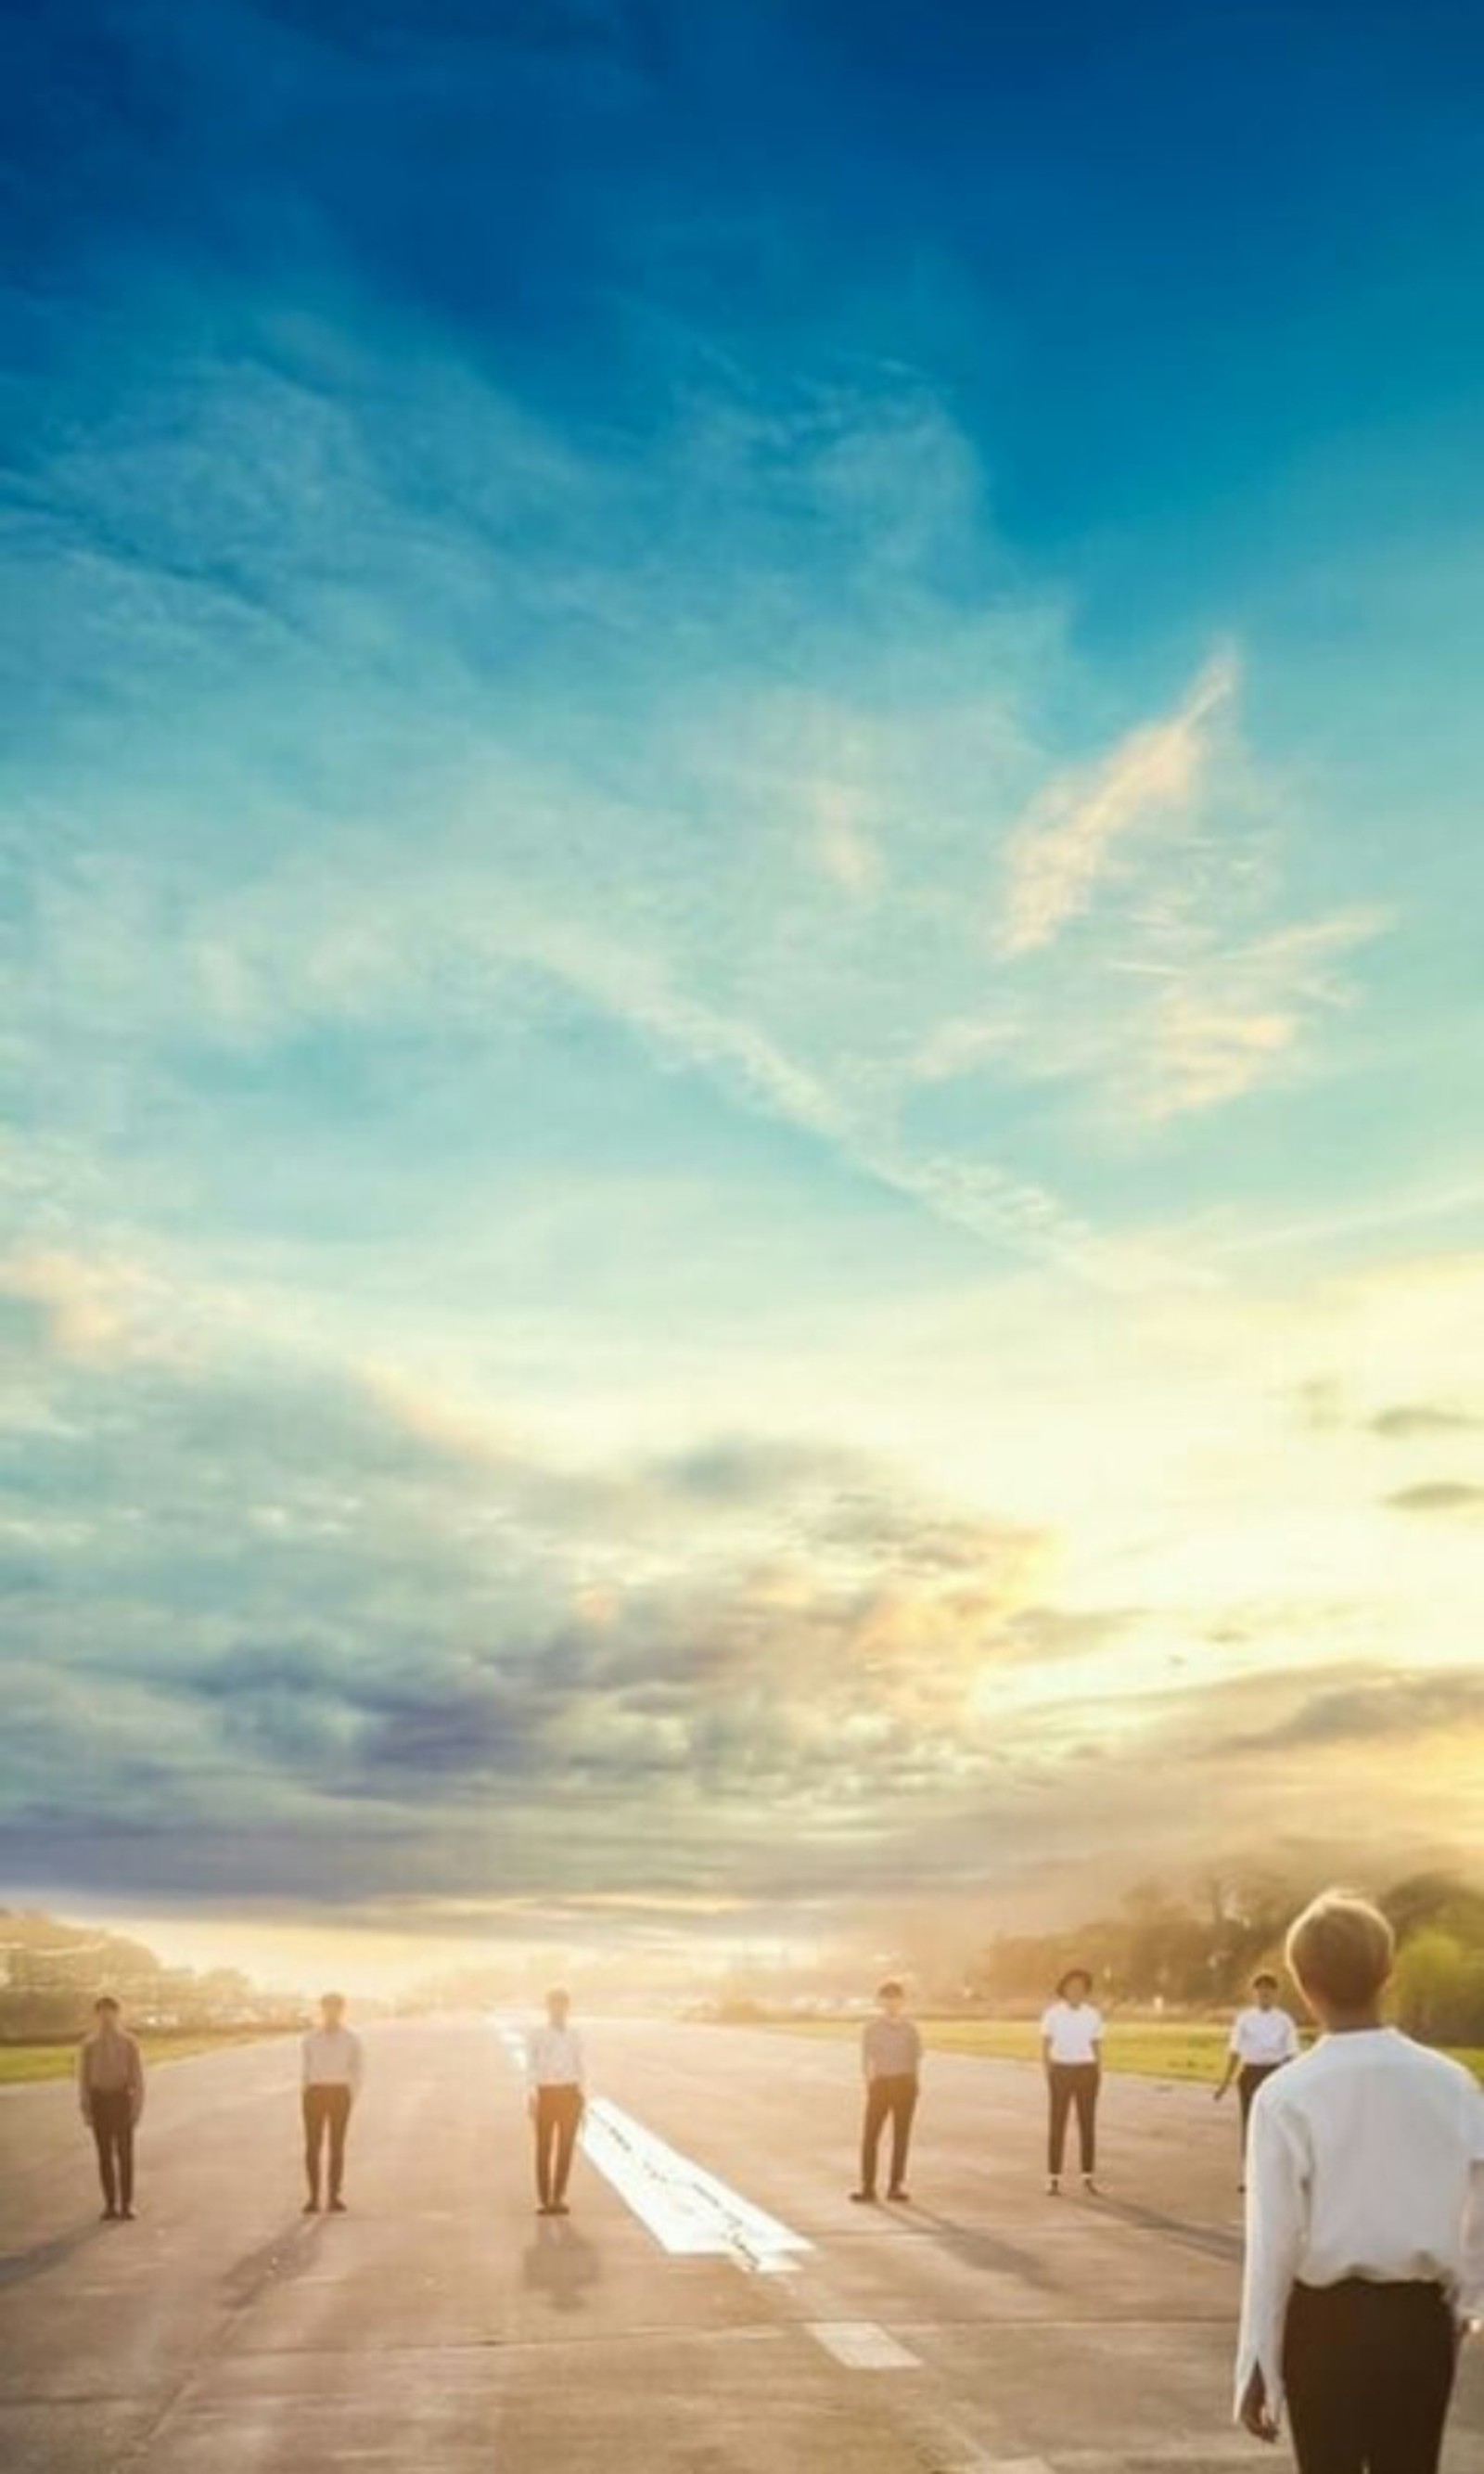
(1214, 2241)
(20, 2265)
(285, 2254)
(562, 2264)
(974, 2249)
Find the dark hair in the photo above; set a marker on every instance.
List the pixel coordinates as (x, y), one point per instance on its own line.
(1265, 1975)
(106, 2002)
(1074, 1976)
(332, 1996)
(889, 1991)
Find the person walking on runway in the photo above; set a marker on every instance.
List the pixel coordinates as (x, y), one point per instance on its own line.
(332, 2072)
(891, 2061)
(111, 2090)
(1365, 2219)
(1263, 2038)
(1072, 2051)
(556, 2098)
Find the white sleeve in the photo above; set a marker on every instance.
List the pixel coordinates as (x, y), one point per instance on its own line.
(1471, 2276)
(1234, 2040)
(1277, 2215)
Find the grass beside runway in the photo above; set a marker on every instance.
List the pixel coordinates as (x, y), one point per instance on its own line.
(1145, 2048)
(23, 2064)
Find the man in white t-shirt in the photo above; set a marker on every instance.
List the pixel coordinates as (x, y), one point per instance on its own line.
(1263, 2038)
(1072, 2051)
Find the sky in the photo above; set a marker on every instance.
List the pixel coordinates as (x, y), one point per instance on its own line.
(741, 1186)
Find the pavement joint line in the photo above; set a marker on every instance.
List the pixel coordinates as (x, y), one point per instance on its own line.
(862, 2346)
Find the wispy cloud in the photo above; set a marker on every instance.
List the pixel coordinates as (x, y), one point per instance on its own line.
(1069, 839)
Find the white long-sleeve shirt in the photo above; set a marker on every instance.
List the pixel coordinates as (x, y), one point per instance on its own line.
(332, 2057)
(553, 2058)
(1365, 2158)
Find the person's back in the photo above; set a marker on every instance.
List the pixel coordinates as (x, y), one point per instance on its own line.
(1365, 2219)
(1384, 2126)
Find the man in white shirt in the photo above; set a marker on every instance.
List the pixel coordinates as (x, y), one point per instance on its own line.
(1263, 2038)
(1365, 2219)
(556, 2099)
(1072, 2051)
(333, 2070)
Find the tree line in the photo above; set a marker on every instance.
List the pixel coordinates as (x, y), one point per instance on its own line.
(1198, 1949)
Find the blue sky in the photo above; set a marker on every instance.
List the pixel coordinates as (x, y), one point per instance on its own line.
(742, 864)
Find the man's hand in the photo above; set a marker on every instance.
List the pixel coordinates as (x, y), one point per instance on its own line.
(1254, 2416)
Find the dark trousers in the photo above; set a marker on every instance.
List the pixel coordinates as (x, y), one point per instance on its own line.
(1369, 2370)
(1250, 2078)
(893, 2098)
(558, 2113)
(1072, 2083)
(112, 2126)
(327, 2115)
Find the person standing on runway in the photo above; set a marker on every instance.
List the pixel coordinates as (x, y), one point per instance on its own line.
(111, 2090)
(1263, 2038)
(1072, 2051)
(1365, 2219)
(333, 2069)
(556, 2096)
(891, 2061)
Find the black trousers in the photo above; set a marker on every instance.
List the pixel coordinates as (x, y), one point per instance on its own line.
(1250, 2078)
(112, 2114)
(891, 2098)
(558, 2113)
(327, 2111)
(1072, 2083)
(1369, 2370)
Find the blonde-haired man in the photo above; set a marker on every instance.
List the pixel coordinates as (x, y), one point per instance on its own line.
(1365, 2219)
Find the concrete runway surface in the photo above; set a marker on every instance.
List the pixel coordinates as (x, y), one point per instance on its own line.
(713, 2303)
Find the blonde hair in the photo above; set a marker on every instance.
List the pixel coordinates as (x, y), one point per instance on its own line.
(1341, 1948)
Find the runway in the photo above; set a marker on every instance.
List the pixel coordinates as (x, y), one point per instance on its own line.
(713, 2302)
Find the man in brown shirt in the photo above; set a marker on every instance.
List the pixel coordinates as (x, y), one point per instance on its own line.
(110, 2090)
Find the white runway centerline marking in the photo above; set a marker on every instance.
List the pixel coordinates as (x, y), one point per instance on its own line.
(861, 2346)
(686, 2208)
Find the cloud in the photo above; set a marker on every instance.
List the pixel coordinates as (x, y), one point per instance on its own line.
(1371, 1710)
(1440, 1495)
(1069, 840)
(1409, 1419)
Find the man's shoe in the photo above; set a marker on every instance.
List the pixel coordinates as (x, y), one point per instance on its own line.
(1089, 2186)
(897, 2193)
(126, 2214)
(310, 2208)
(560, 2208)
(337, 2207)
(109, 2217)
(864, 2198)
(1054, 2186)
